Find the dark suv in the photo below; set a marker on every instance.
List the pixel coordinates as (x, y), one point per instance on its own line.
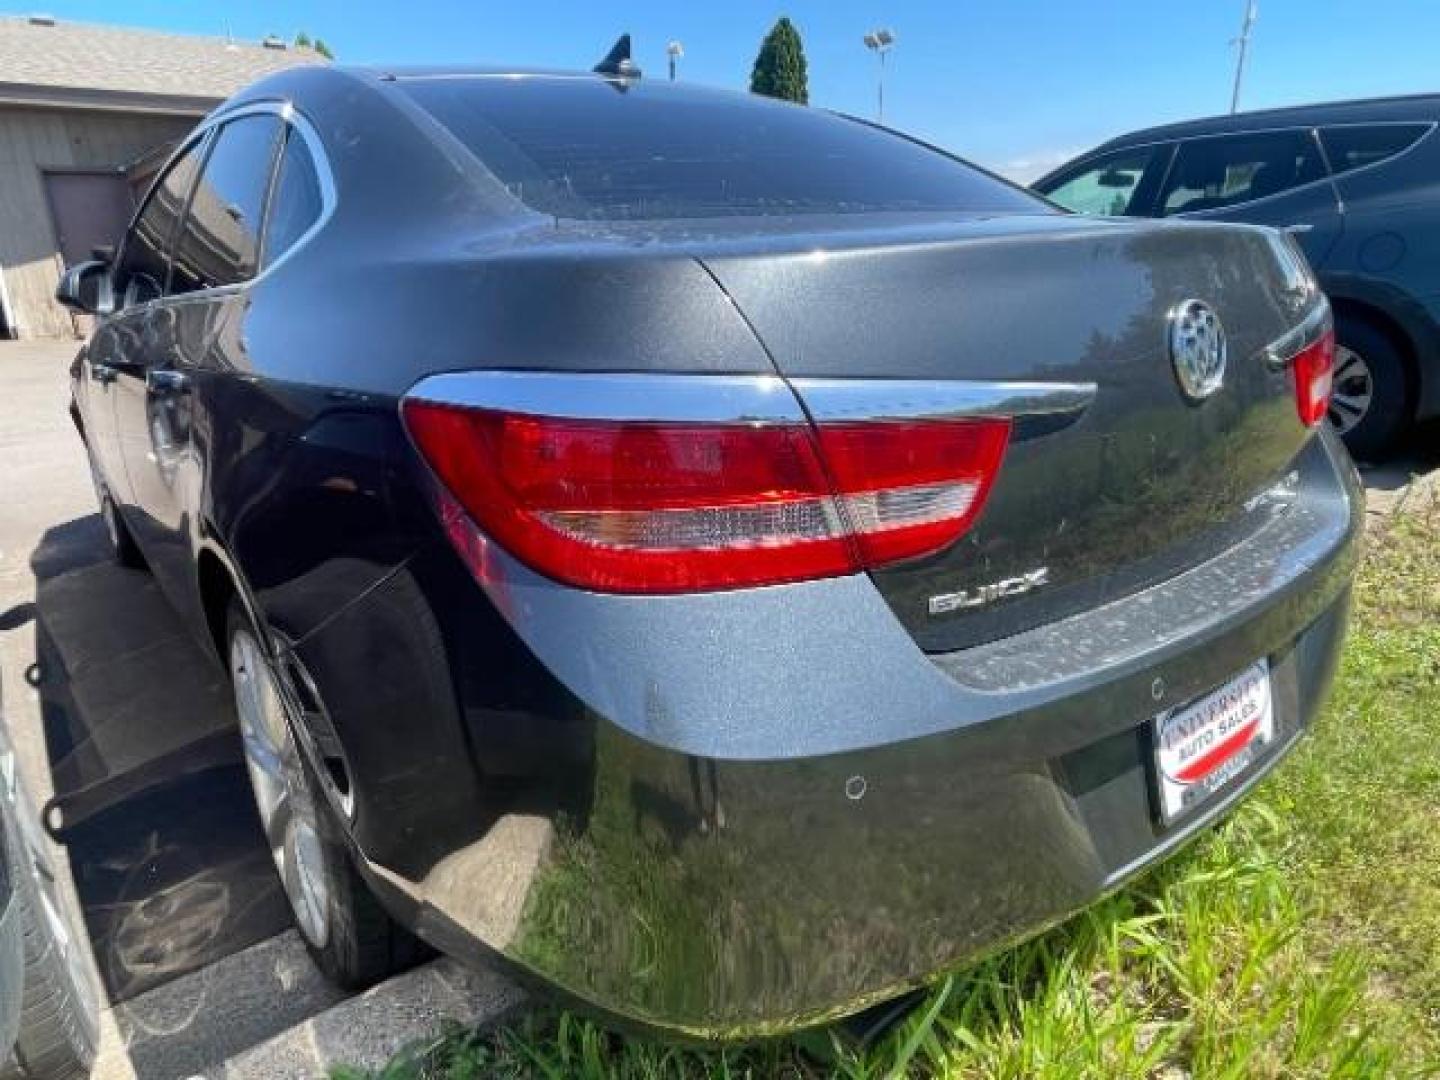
(1358, 182)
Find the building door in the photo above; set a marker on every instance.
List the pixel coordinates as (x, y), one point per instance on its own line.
(88, 209)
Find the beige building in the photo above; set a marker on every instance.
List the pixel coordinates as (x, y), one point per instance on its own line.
(87, 114)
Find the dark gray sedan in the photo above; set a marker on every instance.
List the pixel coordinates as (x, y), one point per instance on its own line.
(731, 560)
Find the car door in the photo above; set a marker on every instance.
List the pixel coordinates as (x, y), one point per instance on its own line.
(115, 357)
(1386, 174)
(214, 253)
(1275, 178)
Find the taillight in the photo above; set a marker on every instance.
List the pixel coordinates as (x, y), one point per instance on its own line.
(1308, 350)
(649, 506)
(1313, 369)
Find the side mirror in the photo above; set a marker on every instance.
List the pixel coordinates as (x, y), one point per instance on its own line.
(86, 288)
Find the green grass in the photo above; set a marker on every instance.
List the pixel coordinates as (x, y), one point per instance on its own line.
(1301, 939)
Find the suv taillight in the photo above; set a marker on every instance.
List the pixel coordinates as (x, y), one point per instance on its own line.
(643, 506)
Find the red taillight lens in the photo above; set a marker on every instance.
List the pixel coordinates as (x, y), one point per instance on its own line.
(912, 488)
(674, 507)
(1313, 369)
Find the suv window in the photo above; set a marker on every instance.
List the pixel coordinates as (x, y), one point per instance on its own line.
(1108, 184)
(585, 148)
(144, 257)
(1210, 173)
(219, 241)
(296, 202)
(1355, 147)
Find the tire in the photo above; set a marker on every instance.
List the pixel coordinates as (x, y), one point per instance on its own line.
(59, 1028)
(351, 938)
(1371, 376)
(123, 548)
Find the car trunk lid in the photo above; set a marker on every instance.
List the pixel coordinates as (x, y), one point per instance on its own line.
(1144, 483)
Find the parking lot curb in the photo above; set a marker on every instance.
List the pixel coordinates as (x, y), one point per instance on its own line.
(368, 1030)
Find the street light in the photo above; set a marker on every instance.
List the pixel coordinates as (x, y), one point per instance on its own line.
(1246, 26)
(880, 42)
(675, 51)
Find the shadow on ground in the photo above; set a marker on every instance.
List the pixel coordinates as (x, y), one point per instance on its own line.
(1417, 455)
(151, 801)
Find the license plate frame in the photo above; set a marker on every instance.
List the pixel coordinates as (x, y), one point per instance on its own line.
(1204, 746)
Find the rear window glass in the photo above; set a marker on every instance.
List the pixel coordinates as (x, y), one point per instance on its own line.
(1219, 171)
(588, 148)
(1355, 147)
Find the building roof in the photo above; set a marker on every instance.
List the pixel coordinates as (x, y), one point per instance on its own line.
(82, 65)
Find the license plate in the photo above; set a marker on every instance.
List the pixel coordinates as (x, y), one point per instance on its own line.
(1204, 745)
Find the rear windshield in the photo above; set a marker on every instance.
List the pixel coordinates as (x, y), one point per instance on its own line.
(582, 147)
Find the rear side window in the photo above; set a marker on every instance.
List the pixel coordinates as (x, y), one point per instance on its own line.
(1226, 170)
(296, 202)
(588, 148)
(1108, 184)
(144, 262)
(219, 241)
(1355, 147)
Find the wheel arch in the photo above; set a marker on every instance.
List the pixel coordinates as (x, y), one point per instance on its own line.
(218, 582)
(1405, 322)
(1381, 320)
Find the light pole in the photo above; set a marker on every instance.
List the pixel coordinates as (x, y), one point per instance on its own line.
(675, 51)
(1244, 42)
(880, 42)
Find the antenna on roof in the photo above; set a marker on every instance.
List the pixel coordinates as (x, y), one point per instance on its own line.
(617, 61)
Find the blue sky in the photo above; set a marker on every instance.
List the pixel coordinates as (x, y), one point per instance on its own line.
(1016, 85)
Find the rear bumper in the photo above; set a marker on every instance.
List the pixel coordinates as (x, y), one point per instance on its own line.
(695, 840)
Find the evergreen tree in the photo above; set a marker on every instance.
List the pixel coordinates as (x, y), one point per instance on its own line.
(323, 49)
(780, 68)
(302, 41)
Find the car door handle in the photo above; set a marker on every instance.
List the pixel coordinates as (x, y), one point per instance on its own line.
(1298, 230)
(103, 373)
(164, 381)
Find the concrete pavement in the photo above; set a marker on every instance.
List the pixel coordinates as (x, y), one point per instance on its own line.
(113, 707)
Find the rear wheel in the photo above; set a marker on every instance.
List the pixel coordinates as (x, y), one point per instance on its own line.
(351, 938)
(1370, 402)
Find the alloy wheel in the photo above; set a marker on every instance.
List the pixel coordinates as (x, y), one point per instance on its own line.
(1353, 390)
(288, 811)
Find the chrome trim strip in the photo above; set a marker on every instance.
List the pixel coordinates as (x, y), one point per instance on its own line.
(707, 399)
(750, 399)
(329, 197)
(1174, 142)
(1285, 348)
(914, 399)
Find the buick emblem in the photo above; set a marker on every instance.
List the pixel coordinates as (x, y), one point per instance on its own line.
(1197, 348)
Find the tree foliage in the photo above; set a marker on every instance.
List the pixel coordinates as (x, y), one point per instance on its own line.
(305, 41)
(780, 67)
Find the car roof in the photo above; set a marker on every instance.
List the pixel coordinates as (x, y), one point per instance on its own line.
(461, 71)
(1415, 107)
